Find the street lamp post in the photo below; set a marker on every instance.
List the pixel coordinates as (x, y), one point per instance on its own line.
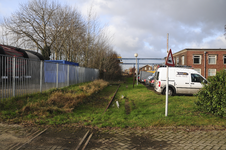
(136, 67)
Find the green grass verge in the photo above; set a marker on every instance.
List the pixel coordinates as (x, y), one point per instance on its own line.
(144, 108)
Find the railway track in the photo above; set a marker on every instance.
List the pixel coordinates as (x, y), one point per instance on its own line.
(54, 139)
(33, 141)
(82, 144)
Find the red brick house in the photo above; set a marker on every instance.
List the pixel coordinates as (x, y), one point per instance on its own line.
(206, 61)
(145, 68)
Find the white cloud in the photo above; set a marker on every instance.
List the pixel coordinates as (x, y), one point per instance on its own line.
(142, 26)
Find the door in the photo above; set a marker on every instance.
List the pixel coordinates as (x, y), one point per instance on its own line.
(196, 83)
(182, 82)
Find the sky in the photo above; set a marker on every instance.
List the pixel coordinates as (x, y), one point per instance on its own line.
(141, 26)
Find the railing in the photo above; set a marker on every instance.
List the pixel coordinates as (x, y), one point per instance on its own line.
(19, 76)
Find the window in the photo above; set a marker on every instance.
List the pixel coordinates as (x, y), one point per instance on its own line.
(211, 72)
(157, 75)
(198, 70)
(224, 59)
(212, 59)
(182, 60)
(177, 60)
(197, 59)
(197, 78)
(145, 68)
(174, 60)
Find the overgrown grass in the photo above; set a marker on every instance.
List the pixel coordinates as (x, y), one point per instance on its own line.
(146, 108)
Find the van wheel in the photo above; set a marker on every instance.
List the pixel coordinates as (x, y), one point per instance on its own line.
(170, 91)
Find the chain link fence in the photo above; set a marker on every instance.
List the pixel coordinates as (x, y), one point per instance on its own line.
(19, 76)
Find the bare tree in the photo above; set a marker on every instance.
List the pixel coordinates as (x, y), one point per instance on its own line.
(4, 37)
(92, 36)
(50, 27)
(72, 28)
(35, 22)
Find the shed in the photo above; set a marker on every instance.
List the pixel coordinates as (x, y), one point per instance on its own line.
(50, 69)
(63, 62)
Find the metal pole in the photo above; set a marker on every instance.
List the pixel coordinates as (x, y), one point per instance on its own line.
(57, 76)
(14, 74)
(133, 76)
(68, 75)
(204, 64)
(167, 89)
(137, 71)
(167, 82)
(41, 76)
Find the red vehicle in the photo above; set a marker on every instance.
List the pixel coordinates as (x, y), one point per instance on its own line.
(7, 53)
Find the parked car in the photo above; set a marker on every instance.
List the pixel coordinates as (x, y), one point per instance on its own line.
(146, 80)
(151, 81)
(144, 75)
(181, 81)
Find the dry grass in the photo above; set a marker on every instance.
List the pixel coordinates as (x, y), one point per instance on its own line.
(94, 86)
(64, 102)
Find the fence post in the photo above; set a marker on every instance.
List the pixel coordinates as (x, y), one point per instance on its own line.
(68, 74)
(14, 75)
(57, 76)
(41, 63)
(78, 75)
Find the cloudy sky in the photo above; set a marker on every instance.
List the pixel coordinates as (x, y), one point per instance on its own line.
(141, 26)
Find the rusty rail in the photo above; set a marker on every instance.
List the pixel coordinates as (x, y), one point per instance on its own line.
(31, 138)
(112, 99)
(82, 141)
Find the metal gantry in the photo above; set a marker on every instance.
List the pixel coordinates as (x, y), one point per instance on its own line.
(138, 61)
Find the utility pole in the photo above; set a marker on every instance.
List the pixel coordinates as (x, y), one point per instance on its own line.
(167, 81)
(136, 66)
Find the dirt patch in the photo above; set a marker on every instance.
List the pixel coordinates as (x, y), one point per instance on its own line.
(68, 138)
(15, 135)
(97, 136)
(127, 106)
(147, 141)
(134, 106)
(149, 87)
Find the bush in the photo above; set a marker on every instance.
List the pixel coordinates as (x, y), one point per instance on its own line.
(212, 97)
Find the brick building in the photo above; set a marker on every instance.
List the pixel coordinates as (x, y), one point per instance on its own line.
(146, 68)
(206, 61)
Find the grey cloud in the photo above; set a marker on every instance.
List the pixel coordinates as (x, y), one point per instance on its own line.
(188, 22)
(141, 26)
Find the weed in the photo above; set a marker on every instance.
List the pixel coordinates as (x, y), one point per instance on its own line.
(85, 104)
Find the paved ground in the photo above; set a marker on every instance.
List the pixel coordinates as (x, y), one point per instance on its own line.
(14, 137)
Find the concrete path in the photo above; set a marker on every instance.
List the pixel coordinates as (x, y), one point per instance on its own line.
(14, 137)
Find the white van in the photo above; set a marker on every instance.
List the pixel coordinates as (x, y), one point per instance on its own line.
(181, 81)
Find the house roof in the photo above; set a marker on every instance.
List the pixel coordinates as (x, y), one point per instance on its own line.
(146, 66)
(200, 49)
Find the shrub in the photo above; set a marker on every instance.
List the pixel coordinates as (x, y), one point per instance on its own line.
(212, 97)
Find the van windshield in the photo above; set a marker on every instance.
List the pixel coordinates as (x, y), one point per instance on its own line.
(197, 78)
